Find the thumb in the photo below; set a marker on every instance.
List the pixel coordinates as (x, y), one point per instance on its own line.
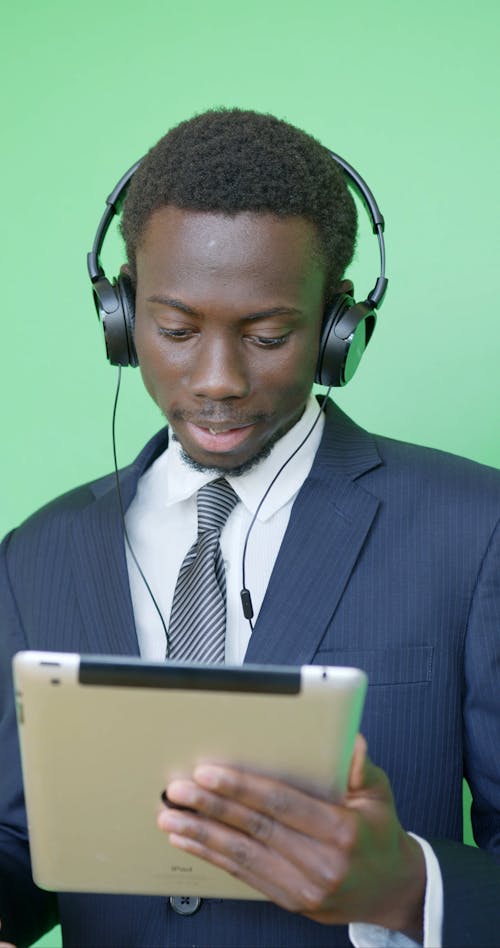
(366, 780)
(357, 771)
(363, 774)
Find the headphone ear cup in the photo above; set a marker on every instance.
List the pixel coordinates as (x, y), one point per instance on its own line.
(346, 330)
(115, 304)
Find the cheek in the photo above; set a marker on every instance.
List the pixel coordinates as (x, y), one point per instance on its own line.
(156, 376)
(297, 369)
(148, 382)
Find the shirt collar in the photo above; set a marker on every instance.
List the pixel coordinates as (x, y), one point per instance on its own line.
(171, 479)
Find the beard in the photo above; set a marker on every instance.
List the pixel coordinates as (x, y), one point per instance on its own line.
(235, 471)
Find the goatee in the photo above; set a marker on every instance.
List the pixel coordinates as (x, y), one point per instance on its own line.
(235, 471)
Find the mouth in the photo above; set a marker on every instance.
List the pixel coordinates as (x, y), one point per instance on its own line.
(222, 427)
(219, 436)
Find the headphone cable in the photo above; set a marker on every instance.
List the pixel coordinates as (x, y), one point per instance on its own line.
(246, 599)
(122, 512)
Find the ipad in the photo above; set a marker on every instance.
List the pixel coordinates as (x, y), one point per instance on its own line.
(102, 736)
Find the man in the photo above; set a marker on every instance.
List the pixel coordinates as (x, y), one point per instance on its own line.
(367, 552)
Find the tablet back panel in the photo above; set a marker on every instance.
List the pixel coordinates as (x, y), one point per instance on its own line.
(101, 738)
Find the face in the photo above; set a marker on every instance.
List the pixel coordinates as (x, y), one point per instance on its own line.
(228, 315)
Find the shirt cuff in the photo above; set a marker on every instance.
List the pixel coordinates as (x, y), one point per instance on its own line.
(373, 936)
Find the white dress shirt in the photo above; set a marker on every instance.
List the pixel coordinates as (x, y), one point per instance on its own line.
(162, 526)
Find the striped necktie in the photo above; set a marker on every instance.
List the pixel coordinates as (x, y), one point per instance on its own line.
(197, 626)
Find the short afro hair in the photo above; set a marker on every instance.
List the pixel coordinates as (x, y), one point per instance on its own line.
(230, 160)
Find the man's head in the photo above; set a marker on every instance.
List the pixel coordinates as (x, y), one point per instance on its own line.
(238, 229)
(230, 160)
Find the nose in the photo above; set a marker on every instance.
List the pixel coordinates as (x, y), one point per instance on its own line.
(220, 371)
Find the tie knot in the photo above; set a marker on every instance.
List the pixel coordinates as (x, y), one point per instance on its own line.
(215, 502)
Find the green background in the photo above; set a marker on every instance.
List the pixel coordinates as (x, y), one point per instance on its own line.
(408, 93)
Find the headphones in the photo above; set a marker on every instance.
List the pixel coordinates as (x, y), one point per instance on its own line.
(347, 325)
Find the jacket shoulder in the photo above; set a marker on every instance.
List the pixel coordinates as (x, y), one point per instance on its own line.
(44, 534)
(64, 506)
(453, 487)
(434, 462)
(56, 515)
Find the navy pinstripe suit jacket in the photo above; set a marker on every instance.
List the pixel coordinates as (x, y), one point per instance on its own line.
(391, 562)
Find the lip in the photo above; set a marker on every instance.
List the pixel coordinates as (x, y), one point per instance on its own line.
(218, 437)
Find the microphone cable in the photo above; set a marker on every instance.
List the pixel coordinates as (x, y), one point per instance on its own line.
(246, 599)
(122, 512)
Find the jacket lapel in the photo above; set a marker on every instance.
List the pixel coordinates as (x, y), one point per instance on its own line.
(328, 526)
(99, 561)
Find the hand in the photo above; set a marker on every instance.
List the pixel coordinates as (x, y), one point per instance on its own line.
(335, 863)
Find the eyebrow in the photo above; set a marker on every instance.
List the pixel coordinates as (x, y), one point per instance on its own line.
(191, 311)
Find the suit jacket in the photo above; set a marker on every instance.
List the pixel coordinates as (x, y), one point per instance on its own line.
(391, 562)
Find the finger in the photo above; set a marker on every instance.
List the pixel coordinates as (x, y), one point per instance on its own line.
(217, 808)
(248, 860)
(257, 804)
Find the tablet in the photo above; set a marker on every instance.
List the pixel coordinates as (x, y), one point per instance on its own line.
(102, 736)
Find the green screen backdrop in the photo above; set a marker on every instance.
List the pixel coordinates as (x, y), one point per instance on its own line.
(406, 92)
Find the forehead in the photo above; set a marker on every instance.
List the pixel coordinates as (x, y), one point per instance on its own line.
(254, 253)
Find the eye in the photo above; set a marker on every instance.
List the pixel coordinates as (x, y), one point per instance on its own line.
(175, 333)
(270, 342)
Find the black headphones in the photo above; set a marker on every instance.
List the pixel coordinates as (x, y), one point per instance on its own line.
(347, 326)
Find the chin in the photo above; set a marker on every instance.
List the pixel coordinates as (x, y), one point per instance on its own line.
(232, 468)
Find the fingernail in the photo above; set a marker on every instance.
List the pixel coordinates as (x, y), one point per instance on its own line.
(209, 776)
(171, 821)
(179, 791)
(179, 841)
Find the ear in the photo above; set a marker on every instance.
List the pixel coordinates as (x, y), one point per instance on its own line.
(130, 282)
(345, 286)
